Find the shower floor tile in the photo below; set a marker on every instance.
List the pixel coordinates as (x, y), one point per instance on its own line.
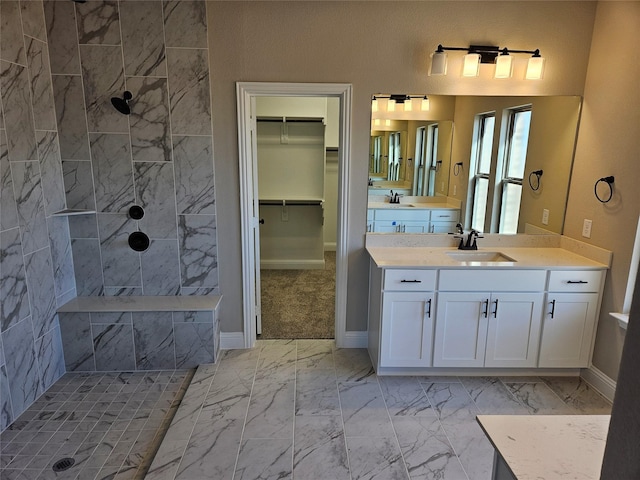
(111, 424)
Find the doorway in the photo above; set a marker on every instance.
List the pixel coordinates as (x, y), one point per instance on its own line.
(247, 93)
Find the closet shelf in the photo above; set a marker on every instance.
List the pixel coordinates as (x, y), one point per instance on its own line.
(67, 212)
(291, 201)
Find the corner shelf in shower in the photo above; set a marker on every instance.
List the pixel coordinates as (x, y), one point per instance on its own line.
(68, 212)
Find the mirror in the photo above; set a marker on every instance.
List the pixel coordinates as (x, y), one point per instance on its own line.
(442, 149)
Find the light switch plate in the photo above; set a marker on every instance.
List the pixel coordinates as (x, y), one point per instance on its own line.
(586, 228)
(545, 216)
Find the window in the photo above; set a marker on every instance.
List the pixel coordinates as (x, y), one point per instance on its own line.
(515, 156)
(395, 156)
(421, 140)
(426, 159)
(376, 155)
(481, 168)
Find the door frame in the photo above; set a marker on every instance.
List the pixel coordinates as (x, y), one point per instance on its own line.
(246, 92)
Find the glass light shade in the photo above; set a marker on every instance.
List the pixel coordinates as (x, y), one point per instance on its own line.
(374, 105)
(376, 122)
(471, 65)
(391, 105)
(407, 105)
(504, 66)
(438, 64)
(387, 123)
(425, 105)
(535, 68)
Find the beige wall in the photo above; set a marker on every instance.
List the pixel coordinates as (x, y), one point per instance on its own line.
(342, 42)
(609, 144)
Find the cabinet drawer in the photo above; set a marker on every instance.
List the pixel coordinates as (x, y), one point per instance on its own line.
(409, 280)
(445, 215)
(401, 214)
(575, 280)
(492, 280)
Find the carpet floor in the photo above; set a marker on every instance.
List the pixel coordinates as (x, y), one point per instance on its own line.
(299, 304)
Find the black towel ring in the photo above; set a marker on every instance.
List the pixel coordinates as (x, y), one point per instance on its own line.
(538, 174)
(609, 181)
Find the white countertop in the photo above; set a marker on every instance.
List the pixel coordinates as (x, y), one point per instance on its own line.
(549, 447)
(436, 257)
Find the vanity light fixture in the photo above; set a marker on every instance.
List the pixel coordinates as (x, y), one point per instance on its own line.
(477, 54)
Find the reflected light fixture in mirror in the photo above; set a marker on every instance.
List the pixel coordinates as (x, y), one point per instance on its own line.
(391, 105)
(374, 104)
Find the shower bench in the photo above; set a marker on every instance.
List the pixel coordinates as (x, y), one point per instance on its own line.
(139, 332)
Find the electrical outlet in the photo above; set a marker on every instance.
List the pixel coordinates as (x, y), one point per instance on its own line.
(545, 216)
(586, 228)
(455, 190)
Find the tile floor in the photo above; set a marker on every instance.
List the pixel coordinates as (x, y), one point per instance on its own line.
(308, 411)
(111, 424)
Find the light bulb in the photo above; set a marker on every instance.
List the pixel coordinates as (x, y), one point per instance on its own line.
(535, 68)
(504, 66)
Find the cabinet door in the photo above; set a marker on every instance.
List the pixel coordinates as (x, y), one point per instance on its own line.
(415, 227)
(443, 227)
(514, 329)
(385, 226)
(461, 329)
(567, 330)
(407, 329)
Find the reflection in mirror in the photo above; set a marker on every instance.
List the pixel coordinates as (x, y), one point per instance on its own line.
(483, 170)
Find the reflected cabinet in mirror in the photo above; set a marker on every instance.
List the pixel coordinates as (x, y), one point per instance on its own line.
(503, 162)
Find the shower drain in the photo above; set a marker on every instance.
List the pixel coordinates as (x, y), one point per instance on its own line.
(63, 464)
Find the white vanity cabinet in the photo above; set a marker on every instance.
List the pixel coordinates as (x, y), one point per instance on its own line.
(444, 220)
(499, 327)
(401, 220)
(406, 219)
(404, 337)
(570, 318)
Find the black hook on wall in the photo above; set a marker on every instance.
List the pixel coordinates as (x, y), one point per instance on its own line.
(609, 181)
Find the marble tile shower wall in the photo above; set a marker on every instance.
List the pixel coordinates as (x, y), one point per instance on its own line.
(160, 157)
(36, 269)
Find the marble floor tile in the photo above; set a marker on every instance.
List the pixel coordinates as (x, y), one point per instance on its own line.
(364, 411)
(578, 394)
(353, 365)
(376, 459)
(472, 447)
(319, 449)
(451, 401)
(426, 449)
(317, 393)
(492, 397)
(405, 396)
(285, 409)
(265, 459)
(539, 399)
(271, 409)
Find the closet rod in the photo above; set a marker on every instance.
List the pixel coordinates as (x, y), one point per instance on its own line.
(284, 203)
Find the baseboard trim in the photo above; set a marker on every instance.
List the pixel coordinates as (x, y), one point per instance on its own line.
(231, 340)
(600, 381)
(292, 264)
(355, 340)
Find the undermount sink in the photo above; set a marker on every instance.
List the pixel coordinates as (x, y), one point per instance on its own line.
(479, 256)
